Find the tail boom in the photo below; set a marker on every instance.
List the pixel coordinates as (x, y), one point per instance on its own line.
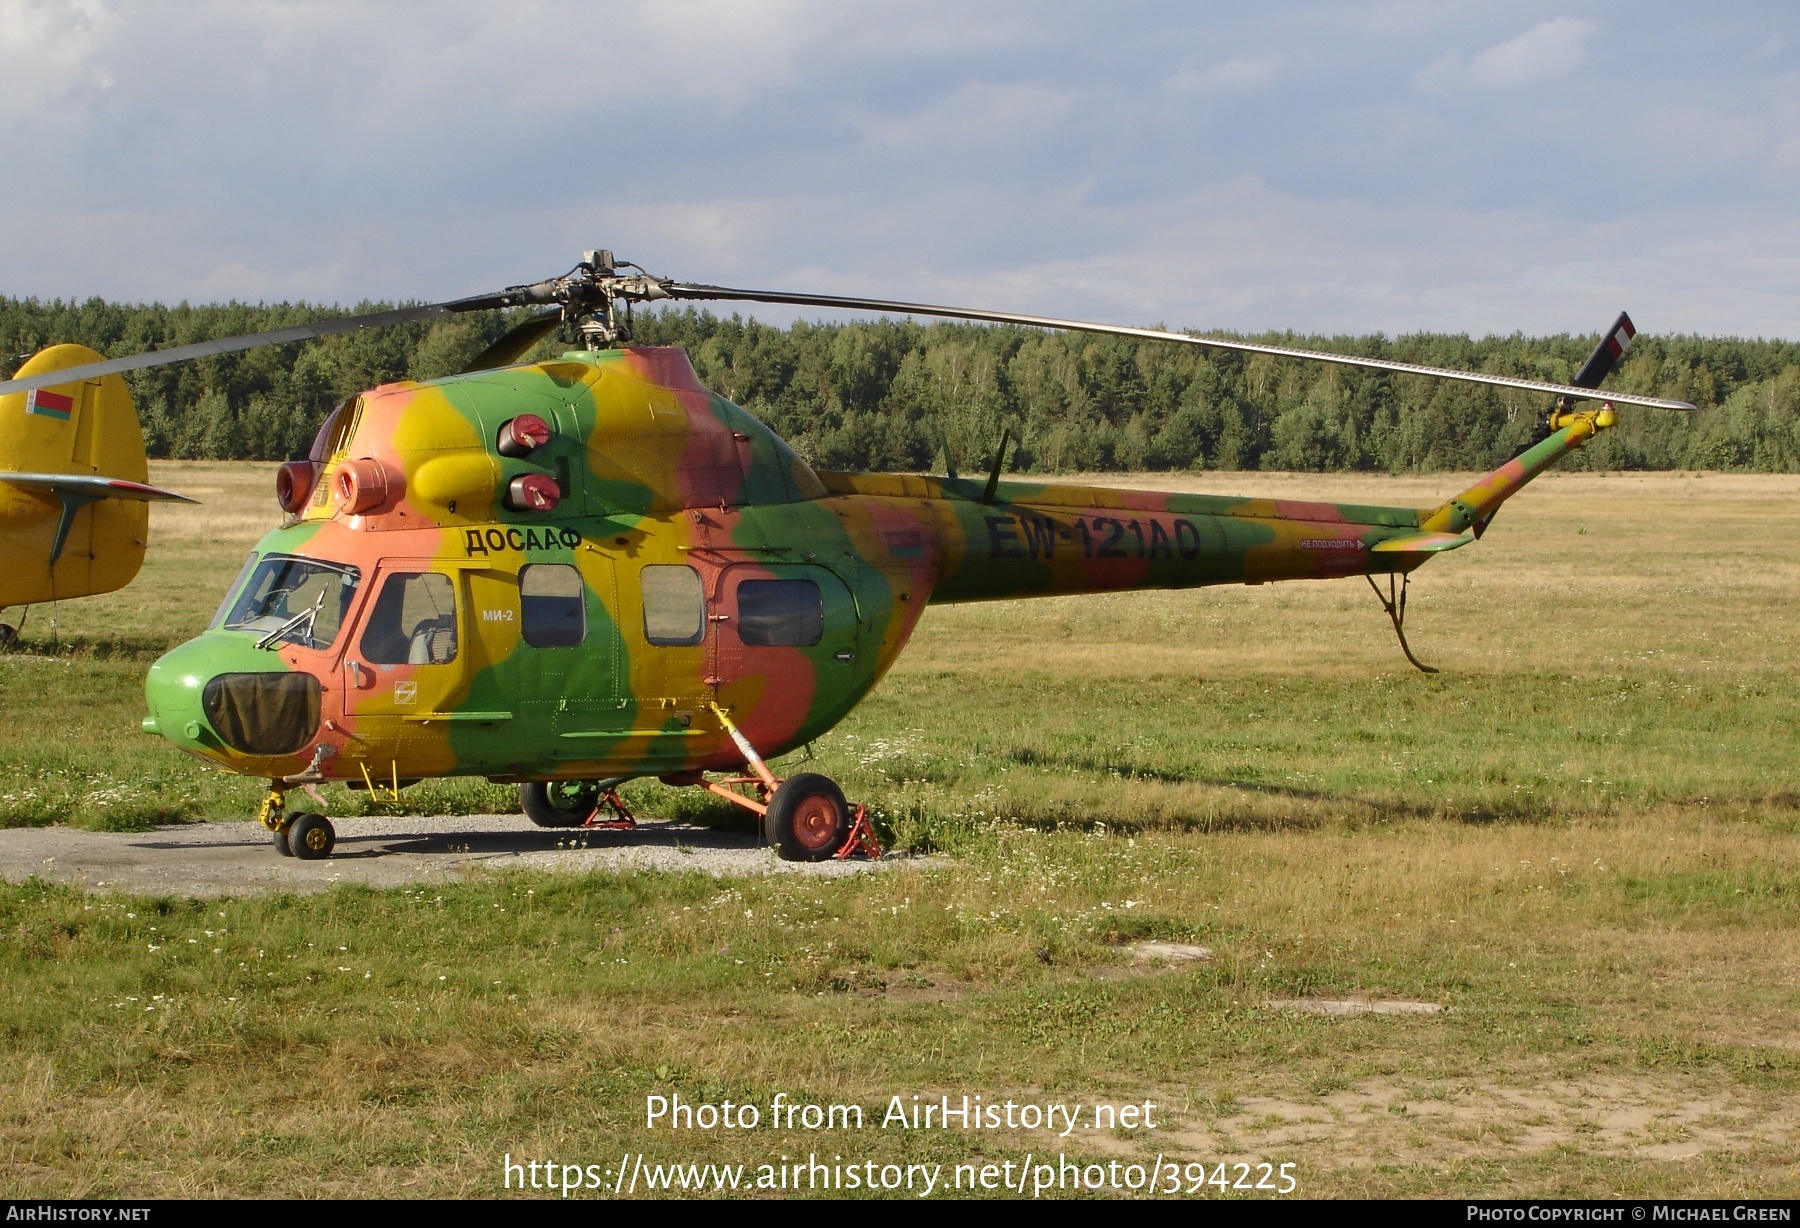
(1041, 540)
(1473, 508)
(1044, 540)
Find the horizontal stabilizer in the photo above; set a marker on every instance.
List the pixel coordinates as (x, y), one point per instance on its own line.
(91, 487)
(1422, 543)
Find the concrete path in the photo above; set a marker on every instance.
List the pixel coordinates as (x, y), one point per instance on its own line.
(215, 859)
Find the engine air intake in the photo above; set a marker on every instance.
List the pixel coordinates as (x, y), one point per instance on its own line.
(294, 486)
(362, 486)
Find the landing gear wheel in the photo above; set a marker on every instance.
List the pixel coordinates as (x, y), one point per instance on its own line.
(808, 818)
(7, 632)
(281, 844)
(310, 837)
(559, 803)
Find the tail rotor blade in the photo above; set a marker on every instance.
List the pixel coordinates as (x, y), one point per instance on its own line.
(1607, 354)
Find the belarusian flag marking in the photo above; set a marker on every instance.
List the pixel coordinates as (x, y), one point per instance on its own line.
(49, 404)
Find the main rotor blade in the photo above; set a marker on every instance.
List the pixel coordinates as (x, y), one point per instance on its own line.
(681, 290)
(250, 341)
(514, 343)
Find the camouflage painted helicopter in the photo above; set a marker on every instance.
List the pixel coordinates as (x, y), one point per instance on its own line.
(572, 573)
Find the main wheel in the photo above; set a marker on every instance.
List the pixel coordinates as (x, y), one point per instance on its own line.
(311, 837)
(281, 844)
(808, 818)
(559, 803)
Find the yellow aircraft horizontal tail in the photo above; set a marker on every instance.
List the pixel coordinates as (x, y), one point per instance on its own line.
(97, 487)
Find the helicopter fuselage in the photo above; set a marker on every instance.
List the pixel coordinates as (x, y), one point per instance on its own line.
(556, 571)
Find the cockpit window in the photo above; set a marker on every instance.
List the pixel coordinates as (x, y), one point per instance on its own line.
(293, 601)
(230, 599)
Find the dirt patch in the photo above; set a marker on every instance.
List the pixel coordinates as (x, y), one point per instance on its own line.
(911, 986)
(220, 859)
(1353, 1006)
(1167, 953)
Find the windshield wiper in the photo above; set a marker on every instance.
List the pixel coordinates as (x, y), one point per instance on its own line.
(305, 616)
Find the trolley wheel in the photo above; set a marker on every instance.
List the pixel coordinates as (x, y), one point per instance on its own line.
(311, 837)
(559, 803)
(808, 818)
(280, 841)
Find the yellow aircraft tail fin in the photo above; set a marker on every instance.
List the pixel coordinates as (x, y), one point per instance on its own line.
(73, 519)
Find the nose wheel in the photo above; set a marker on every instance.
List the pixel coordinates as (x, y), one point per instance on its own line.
(307, 836)
(311, 837)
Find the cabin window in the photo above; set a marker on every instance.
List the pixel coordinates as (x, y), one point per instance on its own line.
(780, 613)
(552, 607)
(293, 600)
(674, 604)
(413, 622)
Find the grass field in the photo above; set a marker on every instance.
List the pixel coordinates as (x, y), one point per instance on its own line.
(1582, 838)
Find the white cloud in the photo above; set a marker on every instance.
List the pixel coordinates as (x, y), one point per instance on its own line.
(1037, 156)
(725, 51)
(979, 115)
(1246, 256)
(1549, 51)
(47, 48)
(1232, 76)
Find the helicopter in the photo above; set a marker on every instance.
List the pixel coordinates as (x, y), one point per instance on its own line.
(572, 573)
(73, 486)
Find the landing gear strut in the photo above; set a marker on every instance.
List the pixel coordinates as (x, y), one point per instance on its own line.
(805, 817)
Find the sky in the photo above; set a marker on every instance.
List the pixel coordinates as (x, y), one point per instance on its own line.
(1327, 168)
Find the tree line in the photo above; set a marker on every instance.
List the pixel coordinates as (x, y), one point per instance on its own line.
(894, 394)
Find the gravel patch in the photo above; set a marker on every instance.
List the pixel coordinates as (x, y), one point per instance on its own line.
(221, 859)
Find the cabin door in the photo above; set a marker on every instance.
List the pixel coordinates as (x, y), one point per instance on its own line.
(406, 671)
(785, 639)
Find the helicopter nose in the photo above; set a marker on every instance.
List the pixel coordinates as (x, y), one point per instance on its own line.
(173, 692)
(220, 697)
